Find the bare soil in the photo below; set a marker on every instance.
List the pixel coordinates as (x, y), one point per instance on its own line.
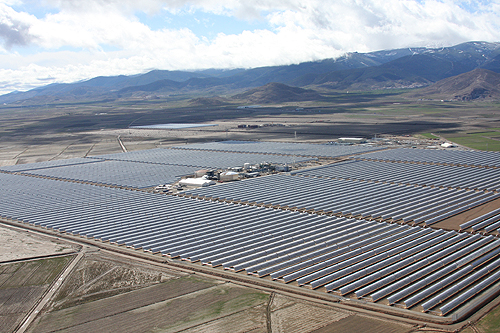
(16, 244)
(101, 275)
(453, 223)
(362, 324)
(291, 315)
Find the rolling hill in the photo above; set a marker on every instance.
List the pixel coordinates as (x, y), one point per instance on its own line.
(277, 93)
(474, 85)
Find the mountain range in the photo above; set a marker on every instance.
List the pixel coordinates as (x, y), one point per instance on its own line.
(388, 69)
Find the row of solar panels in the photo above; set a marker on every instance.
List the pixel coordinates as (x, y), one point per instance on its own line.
(46, 164)
(117, 173)
(487, 222)
(142, 169)
(288, 148)
(402, 173)
(371, 259)
(189, 158)
(455, 157)
(205, 159)
(337, 196)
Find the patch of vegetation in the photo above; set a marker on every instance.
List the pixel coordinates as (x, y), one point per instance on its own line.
(476, 141)
(486, 134)
(34, 273)
(491, 322)
(50, 269)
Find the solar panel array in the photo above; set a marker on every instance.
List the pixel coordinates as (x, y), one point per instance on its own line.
(118, 173)
(403, 173)
(454, 157)
(145, 168)
(198, 158)
(46, 164)
(351, 198)
(288, 148)
(487, 222)
(415, 267)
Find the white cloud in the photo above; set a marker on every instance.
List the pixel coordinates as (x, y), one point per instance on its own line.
(302, 31)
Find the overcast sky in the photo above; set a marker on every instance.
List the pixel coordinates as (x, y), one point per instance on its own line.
(47, 41)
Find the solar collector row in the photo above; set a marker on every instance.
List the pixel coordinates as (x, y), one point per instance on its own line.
(429, 284)
(118, 173)
(489, 221)
(288, 148)
(339, 196)
(456, 157)
(425, 174)
(200, 159)
(409, 279)
(288, 246)
(48, 164)
(444, 280)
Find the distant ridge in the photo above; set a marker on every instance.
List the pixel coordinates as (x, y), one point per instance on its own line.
(386, 69)
(474, 85)
(277, 93)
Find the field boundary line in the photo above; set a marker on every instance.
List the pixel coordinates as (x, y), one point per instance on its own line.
(53, 288)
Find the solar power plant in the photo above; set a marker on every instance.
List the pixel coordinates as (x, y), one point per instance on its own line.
(436, 271)
(285, 148)
(417, 174)
(118, 173)
(199, 159)
(487, 222)
(46, 164)
(453, 157)
(427, 205)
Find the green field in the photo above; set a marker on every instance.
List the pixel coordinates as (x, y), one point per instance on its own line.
(477, 140)
(491, 322)
(429, 136)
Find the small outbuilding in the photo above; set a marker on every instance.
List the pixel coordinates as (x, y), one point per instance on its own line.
(229, 176)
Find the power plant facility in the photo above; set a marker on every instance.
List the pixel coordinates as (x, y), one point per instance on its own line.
(413, 233)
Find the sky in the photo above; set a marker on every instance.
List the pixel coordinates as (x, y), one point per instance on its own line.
(53, 41)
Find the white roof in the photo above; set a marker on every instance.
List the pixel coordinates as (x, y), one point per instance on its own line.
(196, 182)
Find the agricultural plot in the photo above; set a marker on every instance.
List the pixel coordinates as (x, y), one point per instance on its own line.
(179, 302)
(99, 276)
(22, 284)
(488, 140)
(106, 293)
